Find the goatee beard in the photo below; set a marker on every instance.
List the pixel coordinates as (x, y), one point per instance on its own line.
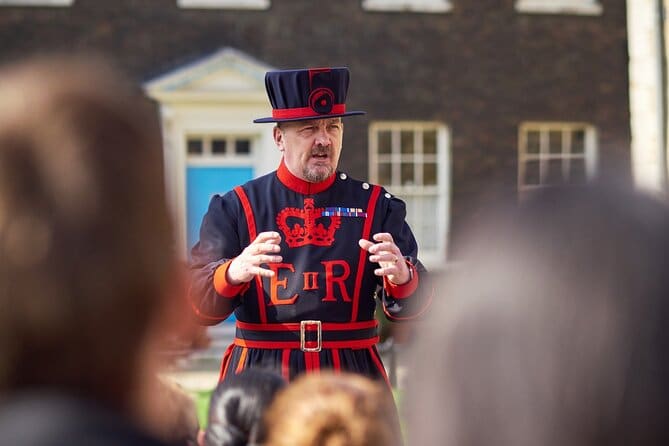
(316, 176)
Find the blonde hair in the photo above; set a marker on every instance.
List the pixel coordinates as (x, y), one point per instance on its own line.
(330, 409)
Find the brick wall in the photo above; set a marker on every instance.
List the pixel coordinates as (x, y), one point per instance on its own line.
(482, 68)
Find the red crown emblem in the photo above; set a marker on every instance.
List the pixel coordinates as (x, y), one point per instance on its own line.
(307, 226)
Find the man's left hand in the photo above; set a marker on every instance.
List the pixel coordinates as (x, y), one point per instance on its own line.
(389, 257)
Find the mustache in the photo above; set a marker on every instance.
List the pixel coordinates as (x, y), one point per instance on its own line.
(321, 150)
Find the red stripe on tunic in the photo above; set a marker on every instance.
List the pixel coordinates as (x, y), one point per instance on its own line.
(227, 356)
(251, 222)
(371, 205)
(295, 326)
(355, 344)
(377, 361)
(336, 363)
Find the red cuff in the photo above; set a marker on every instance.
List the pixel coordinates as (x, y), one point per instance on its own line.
(223, 287)
(404, 290)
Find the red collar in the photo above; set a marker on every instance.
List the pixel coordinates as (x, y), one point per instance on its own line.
(299, 185)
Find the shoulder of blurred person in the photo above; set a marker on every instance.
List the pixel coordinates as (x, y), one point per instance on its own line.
(85, 238)
(237, 407)
(552, 330)
(329, 409)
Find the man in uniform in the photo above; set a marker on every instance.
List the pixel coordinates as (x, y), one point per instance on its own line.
(301, 253)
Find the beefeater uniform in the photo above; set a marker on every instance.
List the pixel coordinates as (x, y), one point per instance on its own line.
(317, 311)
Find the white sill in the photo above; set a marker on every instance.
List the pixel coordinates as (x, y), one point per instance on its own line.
(559, 7)
(224, 4)
(58, 3)
(428, 6)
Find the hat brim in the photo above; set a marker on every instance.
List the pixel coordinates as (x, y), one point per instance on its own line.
(309, 118)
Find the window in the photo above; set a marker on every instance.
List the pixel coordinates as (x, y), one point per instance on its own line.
(555, 153)
(583, 7)
(410, 160)
(224, 4)
(36, 2)
(407, 5)
(213, 147)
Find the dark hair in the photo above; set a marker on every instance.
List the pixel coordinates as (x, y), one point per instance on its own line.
(553, 330)
(237, 407)
(85, 236)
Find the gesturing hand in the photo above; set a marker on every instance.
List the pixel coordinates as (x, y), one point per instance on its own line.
(388, 256)
(246, 265)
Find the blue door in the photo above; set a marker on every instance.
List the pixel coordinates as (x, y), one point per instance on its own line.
(201, 184)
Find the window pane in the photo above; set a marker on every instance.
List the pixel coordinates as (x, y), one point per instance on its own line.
(532, 176)
(384, 142)
(407, 141)
(578, 141)
(242, 146)
(385, 173)
(577, 171)
(218, 146)
(407, 174)
(430, 174)
(555, 141)
(533, 141)
(194, 146)
(430, 142)
(554, 172)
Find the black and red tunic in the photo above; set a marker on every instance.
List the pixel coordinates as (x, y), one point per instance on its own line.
(317, 311)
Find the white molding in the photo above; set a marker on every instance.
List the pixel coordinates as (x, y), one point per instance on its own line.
(430, 6)
(217, 95)
(224, 4)
(645, 83)
(578, 7)
(56, 3)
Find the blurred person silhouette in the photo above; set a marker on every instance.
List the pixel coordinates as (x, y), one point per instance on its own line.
(333, 409)
(555, 329)
(237, 406)
(86, 265)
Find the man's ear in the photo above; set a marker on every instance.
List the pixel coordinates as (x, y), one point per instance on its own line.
(278, 138)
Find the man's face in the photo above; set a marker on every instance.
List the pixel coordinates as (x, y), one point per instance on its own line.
(311, 148)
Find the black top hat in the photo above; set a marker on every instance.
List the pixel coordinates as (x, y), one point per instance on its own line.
(313, 93)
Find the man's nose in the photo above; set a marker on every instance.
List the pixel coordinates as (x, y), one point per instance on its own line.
(322, 137)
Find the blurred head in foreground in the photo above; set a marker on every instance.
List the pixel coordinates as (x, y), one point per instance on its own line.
(554, 331)
(328, 409)
(85, 241)
(237, 407)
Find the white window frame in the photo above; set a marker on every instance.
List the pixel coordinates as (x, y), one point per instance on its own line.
(578, 7)
(56, 3)
(209, 159)
(433, 255)
(589, 154)
(224, 4)
(429, 6)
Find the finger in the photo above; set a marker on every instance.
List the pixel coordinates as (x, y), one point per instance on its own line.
(263, 272)
(262, 248)
(268, 236)
(365, 244)
(383, 237)
(267, 259)
(387, 257)
(386, 271)
(384, 247)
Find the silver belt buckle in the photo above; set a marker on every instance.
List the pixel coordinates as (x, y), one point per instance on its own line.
(319, 336)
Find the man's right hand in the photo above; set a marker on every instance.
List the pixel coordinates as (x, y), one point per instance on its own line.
(246, 265)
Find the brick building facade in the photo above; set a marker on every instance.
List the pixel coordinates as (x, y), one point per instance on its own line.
(513, 96)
